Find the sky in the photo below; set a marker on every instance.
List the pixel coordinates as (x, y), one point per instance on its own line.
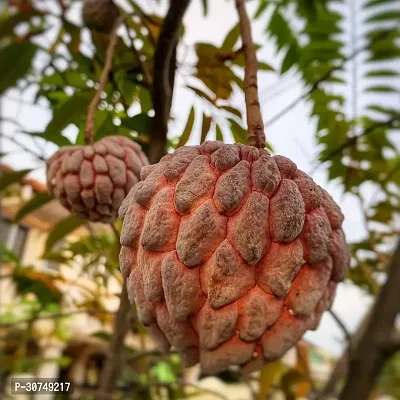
(292, 136)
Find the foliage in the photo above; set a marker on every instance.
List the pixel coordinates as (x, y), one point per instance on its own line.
(57, 61)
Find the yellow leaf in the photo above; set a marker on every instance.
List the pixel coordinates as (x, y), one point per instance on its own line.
(268, 376)
(303, 366)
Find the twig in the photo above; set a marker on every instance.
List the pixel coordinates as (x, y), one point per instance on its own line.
(151, 353)
(341, 366)
(369, 355)
(255, 126)
(109, 374)
(342, 327)
(89, 129)
(307, 372)
(115, 230)
(23, 147)
(354, 139)
(164, 66)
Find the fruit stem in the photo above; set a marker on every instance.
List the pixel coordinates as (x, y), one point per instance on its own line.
(255, 125)
(112, 42)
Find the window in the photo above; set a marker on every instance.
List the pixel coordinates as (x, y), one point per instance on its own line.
(13, 236)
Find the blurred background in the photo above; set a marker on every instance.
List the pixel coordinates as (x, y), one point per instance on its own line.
(330, 96)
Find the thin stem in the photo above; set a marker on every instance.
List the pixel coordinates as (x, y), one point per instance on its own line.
(89, 129)
(342, 326)
(255, 125)
(112, 368)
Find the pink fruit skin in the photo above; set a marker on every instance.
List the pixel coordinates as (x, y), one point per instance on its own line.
(230, 254)
(92, 181)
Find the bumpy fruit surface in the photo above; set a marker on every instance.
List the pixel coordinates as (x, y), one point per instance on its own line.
(230, 254)
(92, 181)
(100, 15)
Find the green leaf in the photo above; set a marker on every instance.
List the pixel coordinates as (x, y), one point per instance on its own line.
(140, 123)
(61, 229)
(291, 58)
(232, 110)
(373, 3)
(8, 24)
(231, 38)
(69, 112)
(392, 15)
(262, 66)
(238, 132)
(202, 94)
(8, 178)
(382, 88)
(16, 61)
(261, 8)
(188, 129)
(59, 139)
(205, 128)
(280, 29)
(36, 202)
(382, 73)
(218, 133)
(163, 372)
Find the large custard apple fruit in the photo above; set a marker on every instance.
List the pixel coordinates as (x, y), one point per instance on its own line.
(230, 254)
(92, 181)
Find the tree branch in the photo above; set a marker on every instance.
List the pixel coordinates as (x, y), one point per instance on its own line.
(89, 129)
(255, 125)
(369, 355)
(341, 366)
(164, 66)
(112, 368)
(351, 141)
(392, 345)
(23, 147)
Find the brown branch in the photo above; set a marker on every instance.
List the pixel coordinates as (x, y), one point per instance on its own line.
(369, 355)
(255, 125)
(112, 368)
(89, 129)
(163, 69)
(341, 366)
(391, 345)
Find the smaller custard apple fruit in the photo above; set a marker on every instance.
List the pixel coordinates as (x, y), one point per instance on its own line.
(100, 15)
(92, 181)
(231, 255)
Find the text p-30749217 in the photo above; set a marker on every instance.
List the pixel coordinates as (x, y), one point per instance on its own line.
(41, 386)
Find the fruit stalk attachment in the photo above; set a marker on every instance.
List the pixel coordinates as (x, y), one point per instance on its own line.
(255, 125)
(89, 128)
